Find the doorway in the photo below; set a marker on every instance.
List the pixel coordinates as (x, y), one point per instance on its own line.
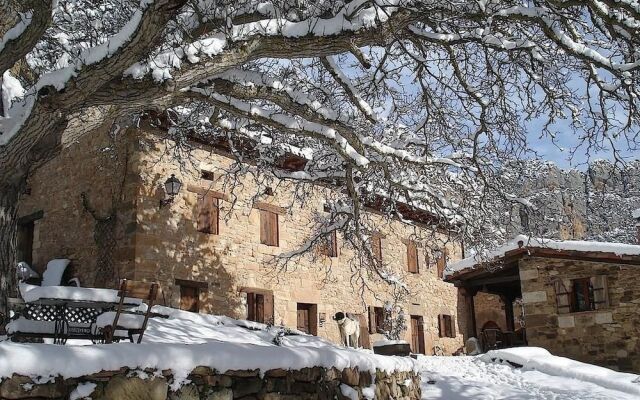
(24, 249)
(308, 318)
(417, 334)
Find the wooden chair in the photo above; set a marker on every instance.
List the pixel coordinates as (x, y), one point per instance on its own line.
(492, 339)
(146, 291)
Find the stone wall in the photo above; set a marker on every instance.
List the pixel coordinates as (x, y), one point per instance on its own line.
(169, 247)
(609, 337)
(489, 308)
(306, 384)
(100, 167)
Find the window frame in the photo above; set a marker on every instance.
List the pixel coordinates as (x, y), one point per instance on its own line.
(587, 291)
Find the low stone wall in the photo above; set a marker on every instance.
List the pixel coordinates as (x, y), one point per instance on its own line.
(277, 384)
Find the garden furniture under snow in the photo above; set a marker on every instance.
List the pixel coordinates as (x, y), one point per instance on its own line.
(126, 322)
(62, 312)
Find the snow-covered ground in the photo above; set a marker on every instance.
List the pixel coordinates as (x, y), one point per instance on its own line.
(459, 378)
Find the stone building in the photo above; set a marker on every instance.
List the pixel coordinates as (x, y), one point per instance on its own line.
(579, 299)
(102, 204)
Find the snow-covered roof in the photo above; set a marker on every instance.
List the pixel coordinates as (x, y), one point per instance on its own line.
(519, 241)
(636, 213)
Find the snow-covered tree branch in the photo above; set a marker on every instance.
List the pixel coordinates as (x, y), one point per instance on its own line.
(419, 102)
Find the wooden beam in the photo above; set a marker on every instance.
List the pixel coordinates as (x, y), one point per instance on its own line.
(491, 280)
(261, 205)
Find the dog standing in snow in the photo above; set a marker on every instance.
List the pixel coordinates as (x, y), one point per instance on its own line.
(349, 329)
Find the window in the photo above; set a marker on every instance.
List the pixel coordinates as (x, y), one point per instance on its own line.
(376, 319)
(442, 262)
(259, 305)
(190, 294)
(417, 334)
(208, 214)
(376, 246)
(206, 175)
(412, 257)
(330, 247)
(581, 294)
(269, 233)
(446, 326)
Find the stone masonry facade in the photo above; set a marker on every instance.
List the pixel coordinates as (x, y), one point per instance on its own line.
(100, 208)
(608, 336)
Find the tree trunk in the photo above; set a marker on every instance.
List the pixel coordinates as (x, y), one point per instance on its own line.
(9, 196)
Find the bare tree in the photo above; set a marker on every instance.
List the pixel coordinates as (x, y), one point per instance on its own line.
(416, 102)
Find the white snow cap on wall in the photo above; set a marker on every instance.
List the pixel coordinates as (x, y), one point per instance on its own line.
(527, 241)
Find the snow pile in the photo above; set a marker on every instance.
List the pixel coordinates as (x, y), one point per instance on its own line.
(636, 214)
(186, 340)
(531, 242)
(538, 359)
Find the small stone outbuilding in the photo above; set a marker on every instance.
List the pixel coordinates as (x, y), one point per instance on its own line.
(576, 299)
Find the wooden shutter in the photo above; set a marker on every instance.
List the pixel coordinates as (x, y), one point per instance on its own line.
(412, 257)
(563, 297)
(208, 214)
(259, 308)
(268, 309)
(376, 246)
(251, 306)
(365, 341)
(372, 319)
(600, 291)
(269, 228)
(441, 326)
(333, 245)
(452, 321)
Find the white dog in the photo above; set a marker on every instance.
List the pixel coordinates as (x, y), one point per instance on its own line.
(349, 329)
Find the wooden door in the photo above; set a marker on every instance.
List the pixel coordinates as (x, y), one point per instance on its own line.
(417, 335)
(308, 318)
(303, 319)
(189, 298)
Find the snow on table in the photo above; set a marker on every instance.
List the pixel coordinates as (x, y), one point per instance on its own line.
(186, 340)
(32, 293)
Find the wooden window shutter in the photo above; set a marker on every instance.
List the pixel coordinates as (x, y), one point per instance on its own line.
(269, 228)
(376, 246)
(452, 321)
(208, 214)
(412, 257)
(365, 341)
(372, 319)
(600, 291)
(260, 308)
(251, 306)
(268, 309)
(441, 326)
(563, 297)
(333, 244)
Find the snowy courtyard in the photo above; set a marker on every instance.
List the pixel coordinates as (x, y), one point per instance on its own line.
(460, 378)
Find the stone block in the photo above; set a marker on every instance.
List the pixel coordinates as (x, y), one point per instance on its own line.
(120, 387)
(22, 387)
(566, 321)
(604, 318)
(221, 394)
(246, 386)
(528, 274)
(534, 297)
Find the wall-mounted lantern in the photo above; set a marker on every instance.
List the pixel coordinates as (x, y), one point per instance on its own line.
(172, 188)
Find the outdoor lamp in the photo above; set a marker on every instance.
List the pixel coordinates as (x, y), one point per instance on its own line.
(171, 187)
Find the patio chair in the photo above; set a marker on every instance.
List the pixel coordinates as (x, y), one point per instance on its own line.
(124, 323)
